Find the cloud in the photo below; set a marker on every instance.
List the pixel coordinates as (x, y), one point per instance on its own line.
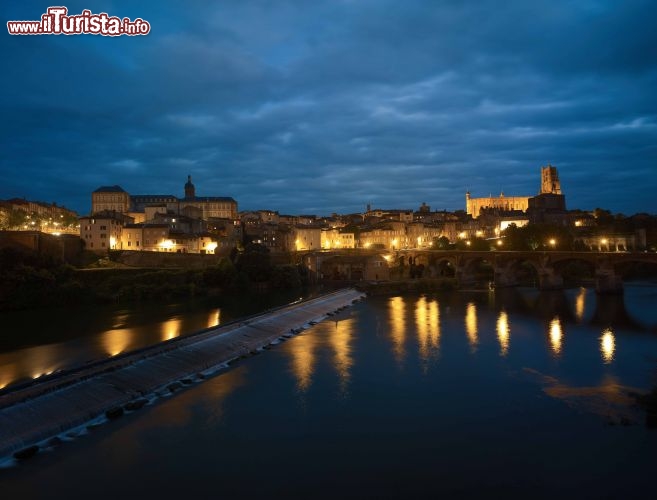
(326, 106)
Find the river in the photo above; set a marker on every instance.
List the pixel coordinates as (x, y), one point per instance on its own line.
(506, 393)
(36, 343)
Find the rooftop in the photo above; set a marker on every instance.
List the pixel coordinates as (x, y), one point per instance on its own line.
(110, 189)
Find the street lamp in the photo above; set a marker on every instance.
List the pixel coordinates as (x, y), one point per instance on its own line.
(553, 243)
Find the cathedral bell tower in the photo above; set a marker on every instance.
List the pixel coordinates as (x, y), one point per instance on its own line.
(190, 190)
(550, 180)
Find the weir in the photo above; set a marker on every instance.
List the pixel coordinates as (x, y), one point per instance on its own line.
(33, 414)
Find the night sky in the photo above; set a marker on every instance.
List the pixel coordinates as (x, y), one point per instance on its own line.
(321, 106)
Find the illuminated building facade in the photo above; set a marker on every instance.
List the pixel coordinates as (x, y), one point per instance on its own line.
(110, 198)
(115, 198)
(103, 231)
(550, 194)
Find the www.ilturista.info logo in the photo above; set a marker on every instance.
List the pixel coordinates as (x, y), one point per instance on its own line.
(56, 21)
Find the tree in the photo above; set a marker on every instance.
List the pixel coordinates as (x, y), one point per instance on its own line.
(538, 237)
(478, 244)
(441, 243)
(17, 218)
(223, 274)
(603, 217)
(255, 262)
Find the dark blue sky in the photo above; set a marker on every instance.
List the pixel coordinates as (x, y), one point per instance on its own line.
(315, 106)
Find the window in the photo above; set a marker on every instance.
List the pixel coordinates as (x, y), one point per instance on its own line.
(103, 228)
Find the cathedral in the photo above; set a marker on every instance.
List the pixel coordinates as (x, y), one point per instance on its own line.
(549, 196)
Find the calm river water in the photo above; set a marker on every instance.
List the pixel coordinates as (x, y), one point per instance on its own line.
(504, 394)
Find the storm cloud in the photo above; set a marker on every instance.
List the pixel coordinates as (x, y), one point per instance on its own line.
(325, 106)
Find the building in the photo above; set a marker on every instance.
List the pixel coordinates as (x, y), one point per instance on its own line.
(110, 198)
(103, 231)
(474, 206)
(307, 238)
(550, 186)
(115, 198)
(334, 239)
(25, 215)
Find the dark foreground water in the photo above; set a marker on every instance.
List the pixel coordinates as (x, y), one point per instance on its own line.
(498, 395)
(36, 343)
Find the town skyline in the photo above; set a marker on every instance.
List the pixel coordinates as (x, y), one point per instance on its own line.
(327, 211)
(391, 105)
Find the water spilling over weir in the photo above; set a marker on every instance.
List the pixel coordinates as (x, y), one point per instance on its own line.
(31, 415)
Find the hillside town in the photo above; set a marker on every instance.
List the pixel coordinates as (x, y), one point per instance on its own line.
(195, 224)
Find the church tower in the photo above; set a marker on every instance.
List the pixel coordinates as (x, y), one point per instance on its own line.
(550, 180)
(190, 190)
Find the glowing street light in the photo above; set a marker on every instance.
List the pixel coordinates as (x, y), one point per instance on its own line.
(553, 243)
(167, 244)
(500, 243)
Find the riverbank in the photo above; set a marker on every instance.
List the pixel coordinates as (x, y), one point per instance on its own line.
(29, 280)
(31, 418)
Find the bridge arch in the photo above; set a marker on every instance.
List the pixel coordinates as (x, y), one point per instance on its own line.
(516, 270)
(443, 267)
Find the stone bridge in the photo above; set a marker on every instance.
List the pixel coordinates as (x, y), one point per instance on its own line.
(547, 267)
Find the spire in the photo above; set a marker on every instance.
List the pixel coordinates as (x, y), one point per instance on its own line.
(190, 191)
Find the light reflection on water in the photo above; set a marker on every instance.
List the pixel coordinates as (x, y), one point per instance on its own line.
(37, 361)
(397, 311)
(214, 317)
(449, 418)
(171, 328)
(341, 339)
(335, 335)
(580, 304)
(556, 334)
(427, 324)
(409, 319)
(434, 325)
(503, 332)
(471, 325)
(303, 361)
(607, 345)
(116, 341)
